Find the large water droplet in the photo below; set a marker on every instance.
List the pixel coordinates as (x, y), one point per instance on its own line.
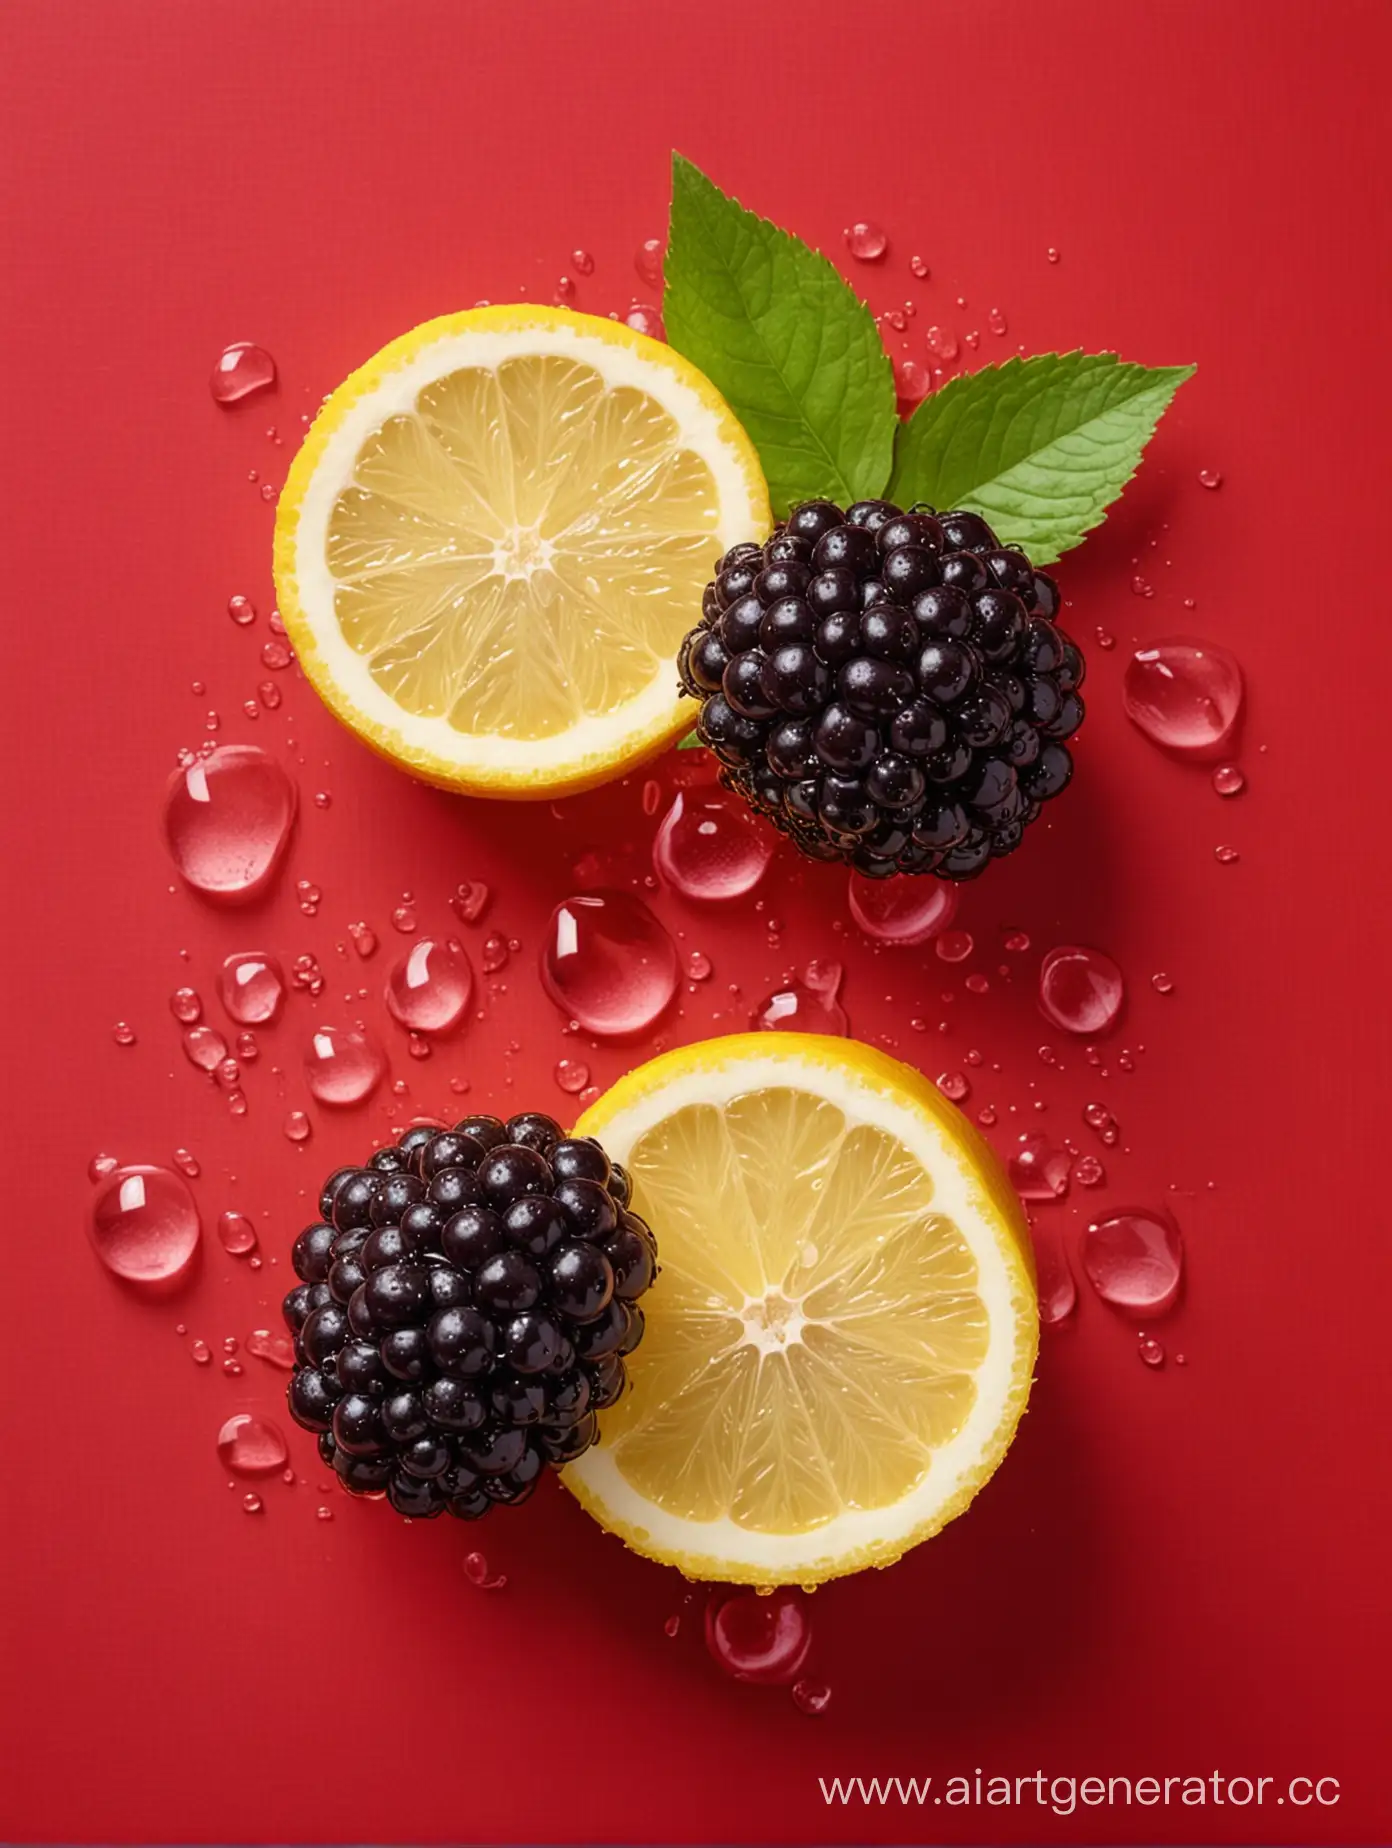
(227, 819)
(237, 1233)
(144, 1224)
(252, 987)
(1185, 695)
(343, 1065)
(241, 369)
(761, 1639)
(251, 1446)
(710, 847)
(901, 911)
(867, 241)
(1080, 990)
(806, 1006)
(1040, 1170)
(1134, 1259)
(608, 963)
(428, 989)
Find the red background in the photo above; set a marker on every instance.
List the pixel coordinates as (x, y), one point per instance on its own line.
(1177, 1571)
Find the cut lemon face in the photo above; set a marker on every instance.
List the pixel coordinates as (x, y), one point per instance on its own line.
(841, 1337)
(496, 535)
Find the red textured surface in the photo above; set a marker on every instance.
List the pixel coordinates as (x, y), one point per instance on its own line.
(1176, 1572)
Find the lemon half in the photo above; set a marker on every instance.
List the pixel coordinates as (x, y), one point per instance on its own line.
(841, 1338)
(495, 536)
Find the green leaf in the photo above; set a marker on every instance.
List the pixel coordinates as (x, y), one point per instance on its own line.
(691, 743)
(1040, 447)
(792, 348)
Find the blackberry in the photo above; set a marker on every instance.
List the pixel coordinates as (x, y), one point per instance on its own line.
(889, 688)
(466, 1302)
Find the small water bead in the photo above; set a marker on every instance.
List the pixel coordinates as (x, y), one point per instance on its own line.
(1210, 478)
(495, 954)
(237, 1103)
(343, 1065)
(309, 895)
(247, 1048)
(237, 1233)
(476, 1570)
(268, 492)
(672, 1625)
(978, 984)
(276, 656)
(565, 288)
(200, 1353)
(305, 973)
(251, 1446)
(1080, 990)
(995, 320)
(297, 1126)
(1098, 1117)
(651, 798)
(912, 381)
(418, 1046)
(954, 946)
(270, 695)
(1039, 1170)
(123, 1033)
(204, 1047)
(1017, 942)
(1151, 1351)
(272, 1346)
(1228, 780)
(186, 1004)
(866, 241)
(1089, 1172)
(1134, 1259)
(100, 1166)
(955, 1086)
(608, 964)
(252, 1504)
(227, 820)
(699, 966)
(229, 1344)
(144, 1224)
(1052, 254)
(404, 918)
(759, 1639)
(582, 262)
(1226, 856)
(187, 1163)
(1105, 639)
(1162, 984)
(1184, 695)
(644, 319)
(428, 989)
(363, 939)
(571, 1076)
(470, 900)
(806, 1006)
(942, 343)
(709, 847)
(648, 261)
(241, 369)
(811, 1697)
(242, 610)
(919, 267)
(252, 987)
(1054, 1282)
(987, 1116)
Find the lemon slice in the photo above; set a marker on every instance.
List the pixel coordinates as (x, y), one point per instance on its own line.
(841, 1337)
(495, 536)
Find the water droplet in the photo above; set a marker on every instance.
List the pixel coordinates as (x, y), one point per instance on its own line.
(1088, 1171)
(672, 1625)
(242, 610)
(297, 1126)
(1210, 478)
(227, 819)
(866, 242)
(572, 1076)
(1052, 254)
(1058, 1293)
(954, 1085)
(323, 1514)
(978, 984)
(644, 319)
(1105, 639)
(1228, 780)
(1099, 1118)
(806, 1006)
(811, 1697)
(237, 1233)
(144, 1224)
(912, 381)
(205, 1047)
(272, 1346)
(759, 1639)
(608, 963)
(241, 369)
(100, 1166)
(1080, 990)
(270, 695)
(123, 1033)
(942, 343)
(200, 1353)
(648, 261)
(252, 1504)
(186, 1004)
(582, 262)
(1134, 1259)
(470, 900)
(276, 656)
(919, 266)
(428, 989)
(710, 847)
(565, 288)
(343, 1065)
(1150, 1351)
(1162, 984)
(252, 988)
(404, 918)
(651, 799)
(1142, 587)
(477, 1572)
(1017, 941)
(995, 320)
(1226, 856)
(363, 939)
(495, 954)
(1185, 695)
(250, 1446)
(954, 946)
(1039, 1170)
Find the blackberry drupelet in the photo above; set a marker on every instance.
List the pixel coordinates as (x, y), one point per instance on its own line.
(888, 688)
(465, 1305)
